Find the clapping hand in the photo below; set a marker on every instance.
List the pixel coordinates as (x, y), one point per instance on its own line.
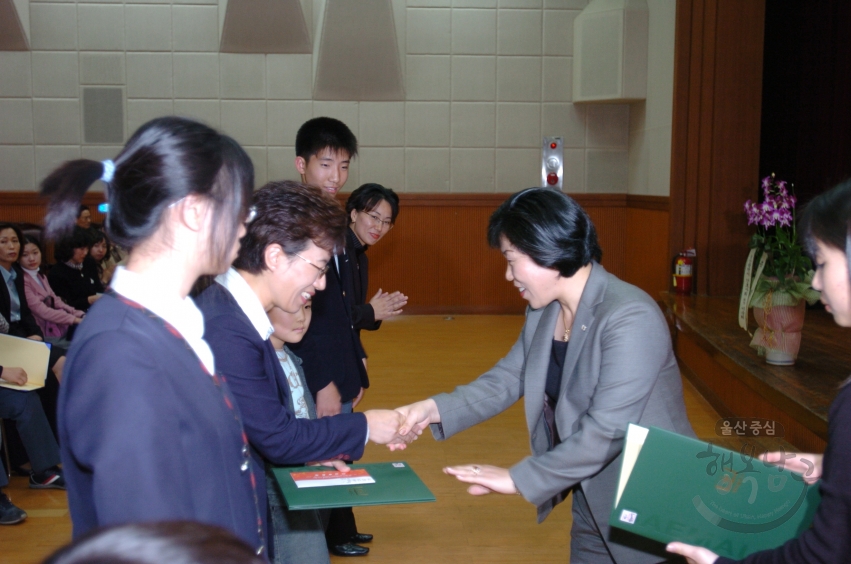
(385, 304)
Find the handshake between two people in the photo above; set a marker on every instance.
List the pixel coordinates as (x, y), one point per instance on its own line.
(400, 427)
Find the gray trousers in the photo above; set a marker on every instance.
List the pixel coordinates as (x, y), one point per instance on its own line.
(299, 536)
(24, 408)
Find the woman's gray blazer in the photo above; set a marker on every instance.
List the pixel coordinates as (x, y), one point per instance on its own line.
(620, 368)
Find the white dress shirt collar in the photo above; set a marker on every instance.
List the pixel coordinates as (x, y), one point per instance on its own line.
(182, 314)
(248, 302)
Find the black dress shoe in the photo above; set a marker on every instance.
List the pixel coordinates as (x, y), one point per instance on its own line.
(349, 549)
(361, 538)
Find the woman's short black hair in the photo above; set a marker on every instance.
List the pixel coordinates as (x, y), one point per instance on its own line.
(827, 218)
(166, 160)
(64, 248)
(291, 215)
(176, 542)
(549, 227)
(368, 196)
(18, 233)
(322, 133)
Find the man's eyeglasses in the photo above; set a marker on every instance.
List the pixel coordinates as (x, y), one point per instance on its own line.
(378, 221)
(322, 271)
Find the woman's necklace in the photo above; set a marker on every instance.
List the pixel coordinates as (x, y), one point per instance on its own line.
(566, 336)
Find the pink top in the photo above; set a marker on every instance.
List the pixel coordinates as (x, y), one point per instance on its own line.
(52, 314)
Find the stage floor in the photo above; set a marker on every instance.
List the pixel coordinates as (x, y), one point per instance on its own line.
(410, 358)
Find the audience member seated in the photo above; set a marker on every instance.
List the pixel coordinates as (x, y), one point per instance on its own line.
(54, 317)
(100, 257)
(77, 286)
(84, 218)
(24, 408)
(177, 542)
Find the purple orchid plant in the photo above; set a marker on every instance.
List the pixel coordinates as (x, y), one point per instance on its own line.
(787, 268)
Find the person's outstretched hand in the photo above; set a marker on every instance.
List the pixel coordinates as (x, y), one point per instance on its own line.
(336, 464)
(807, 464)
(485, 479)
(385, 428)
(417, 416)
(385, 304)
(693, 554)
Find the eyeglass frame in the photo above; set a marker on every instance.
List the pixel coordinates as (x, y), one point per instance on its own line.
(322, 271)
(376, 220)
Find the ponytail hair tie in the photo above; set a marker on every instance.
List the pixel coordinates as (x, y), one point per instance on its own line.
(108, 171)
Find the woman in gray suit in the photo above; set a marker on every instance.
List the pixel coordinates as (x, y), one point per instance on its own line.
(594, 355)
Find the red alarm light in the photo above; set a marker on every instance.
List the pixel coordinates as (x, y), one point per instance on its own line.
(552, 179)
(553, 145)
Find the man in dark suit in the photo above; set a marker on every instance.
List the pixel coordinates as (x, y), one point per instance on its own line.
(282, 262)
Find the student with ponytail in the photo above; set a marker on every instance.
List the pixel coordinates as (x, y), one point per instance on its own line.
(148, 431)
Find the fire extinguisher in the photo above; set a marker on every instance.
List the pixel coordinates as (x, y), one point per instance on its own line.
(683, 269)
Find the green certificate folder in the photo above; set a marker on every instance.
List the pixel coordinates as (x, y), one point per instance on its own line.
(675, 488)
(395, 482)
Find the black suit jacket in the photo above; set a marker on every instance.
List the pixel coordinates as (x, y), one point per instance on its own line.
(74, 286)
(331, 349)
(363, 316)
(27, 326)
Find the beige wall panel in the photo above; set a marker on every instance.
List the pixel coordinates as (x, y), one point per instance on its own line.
(518, 125)
(565, 4)
(16, 73)
(56, 122)
(473, 124)
(474, 32)
(196, 75)
(100, 27)
(606, 170)
(384, 165)
(427, 77)
(18, 165)
(149, 75)
(558, 32)
(245, 121)
(140, 112)
(289, 77)
(55, 74)
(48, 158)
(50, 29)
(205, 111)
(280, 164)
(566, 121)
(428, 31)
(473, 170)
(429, 3)
(258, 158)
(382, 124)
(148, 28)
(16, 121)
(574, 171)
(521, 3)
(427, 170)
(519, 32)
(474, 3)
(557, 80)
(427, 124)
(102, 68)
(518, 79)
(196, 28)
(243, 76)
(473, 78)
(608, 125)
(283, 118)
(517, 169)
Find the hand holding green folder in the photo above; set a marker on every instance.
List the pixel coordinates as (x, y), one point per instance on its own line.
(675, 488)
(393, 482)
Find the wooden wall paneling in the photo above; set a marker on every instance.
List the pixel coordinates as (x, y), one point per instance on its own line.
(610, 223)
(646, 259)
(715, 141)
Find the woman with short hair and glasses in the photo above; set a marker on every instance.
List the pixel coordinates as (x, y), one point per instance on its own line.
(594, 355)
